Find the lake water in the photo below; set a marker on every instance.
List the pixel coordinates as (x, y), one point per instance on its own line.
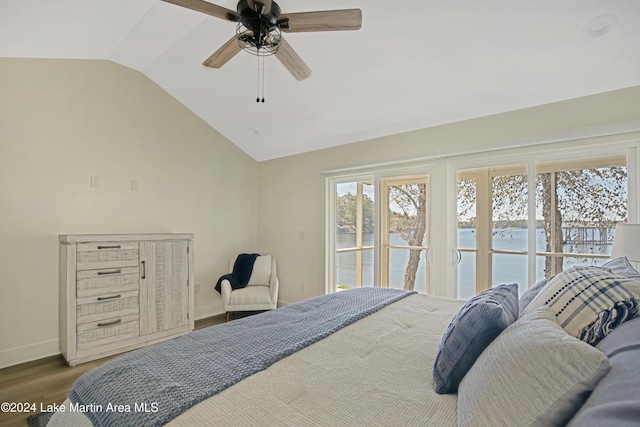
(506, 268)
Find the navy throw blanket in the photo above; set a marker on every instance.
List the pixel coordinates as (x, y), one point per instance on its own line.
(242, 269)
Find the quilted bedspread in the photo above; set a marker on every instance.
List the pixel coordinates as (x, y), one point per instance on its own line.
(153, 385)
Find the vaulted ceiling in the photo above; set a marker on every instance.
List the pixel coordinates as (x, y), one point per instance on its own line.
(414, 64)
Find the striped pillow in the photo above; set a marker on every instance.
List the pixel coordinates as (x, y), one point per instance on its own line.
(589, 302)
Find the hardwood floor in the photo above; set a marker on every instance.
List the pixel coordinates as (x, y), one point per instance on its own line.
(49, 380)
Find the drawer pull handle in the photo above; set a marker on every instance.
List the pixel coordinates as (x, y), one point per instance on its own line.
(109, 247)
(115, 322)
(111, 297)
(144, 269)
(102, 273)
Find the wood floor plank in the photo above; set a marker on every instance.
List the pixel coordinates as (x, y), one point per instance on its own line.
(49, 380)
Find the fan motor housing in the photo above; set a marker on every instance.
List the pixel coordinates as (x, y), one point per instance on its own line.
(252, 20)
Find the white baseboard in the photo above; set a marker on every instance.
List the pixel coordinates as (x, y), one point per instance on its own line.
(18, 355)
(27, 353)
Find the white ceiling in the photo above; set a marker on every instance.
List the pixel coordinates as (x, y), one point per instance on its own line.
(414, 64)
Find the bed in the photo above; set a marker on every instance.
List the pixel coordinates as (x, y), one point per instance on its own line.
(371, 371)
(375, 367)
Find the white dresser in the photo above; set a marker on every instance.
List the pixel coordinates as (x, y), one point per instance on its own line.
(123, 291)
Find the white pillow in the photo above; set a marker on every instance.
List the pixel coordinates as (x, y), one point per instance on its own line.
(532, 374)
(589, 302)
(261, 274)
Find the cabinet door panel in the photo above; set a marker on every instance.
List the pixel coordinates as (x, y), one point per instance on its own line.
(164, 296)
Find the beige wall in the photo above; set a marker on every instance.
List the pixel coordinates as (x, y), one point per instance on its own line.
(62, 122)
(291, 190)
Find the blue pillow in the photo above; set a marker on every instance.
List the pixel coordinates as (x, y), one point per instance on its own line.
(622, 267)
(475, 326)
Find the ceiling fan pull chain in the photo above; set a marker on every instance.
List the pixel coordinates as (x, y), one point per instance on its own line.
(263, 79)
(258, 88)
(260, 71)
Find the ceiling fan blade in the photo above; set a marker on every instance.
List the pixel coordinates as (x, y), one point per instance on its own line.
(265, 3)
(208, 8)
(292, 61)
(327, 20)
(224, 54)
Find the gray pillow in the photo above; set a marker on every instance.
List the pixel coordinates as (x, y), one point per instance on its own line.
(622, 267)
(616, 399)
(472, 329)
(533, 374)
(531, 293)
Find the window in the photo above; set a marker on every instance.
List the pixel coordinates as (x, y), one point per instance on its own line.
(405, 233)
(518, 227)
(492, 228)
(379, 243)
(580, 203)
(354, 234)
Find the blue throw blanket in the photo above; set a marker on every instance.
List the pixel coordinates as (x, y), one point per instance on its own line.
(242, 269)
(155, 384)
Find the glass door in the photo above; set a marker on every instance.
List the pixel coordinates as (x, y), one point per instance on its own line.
(354, 234)
(404, 235)
(492, 228)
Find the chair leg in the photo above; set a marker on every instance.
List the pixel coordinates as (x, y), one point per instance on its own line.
(228, 315)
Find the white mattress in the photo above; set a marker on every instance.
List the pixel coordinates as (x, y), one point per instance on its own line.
(377, 371)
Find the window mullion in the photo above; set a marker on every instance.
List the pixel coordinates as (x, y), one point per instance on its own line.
(484, 231)
(554, 205)
(359, 231)
(531, 223)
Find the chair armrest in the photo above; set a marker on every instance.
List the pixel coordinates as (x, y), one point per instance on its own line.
(274, 283)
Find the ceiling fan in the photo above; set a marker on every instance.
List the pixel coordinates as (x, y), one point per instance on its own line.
(259, 28)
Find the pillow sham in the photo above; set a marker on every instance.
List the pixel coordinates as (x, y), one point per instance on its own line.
(530, 294)
(622, 267)
(589, 302)
(533, 374)
(472, 329)
(261, 274)
(616, 399)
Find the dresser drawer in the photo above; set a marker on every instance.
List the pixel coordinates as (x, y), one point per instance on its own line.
(107, 306)
(93, 335)
(107, 280)
(92, 256)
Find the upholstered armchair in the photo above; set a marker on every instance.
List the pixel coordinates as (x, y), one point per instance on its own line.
(261, 293)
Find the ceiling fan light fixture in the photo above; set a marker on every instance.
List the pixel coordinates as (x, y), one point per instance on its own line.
(260, 44)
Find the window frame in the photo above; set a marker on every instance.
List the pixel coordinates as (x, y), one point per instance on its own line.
(442, 164)
(591, 155)
(375, 174)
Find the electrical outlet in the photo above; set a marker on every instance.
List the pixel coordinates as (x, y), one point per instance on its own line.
(302, 286)
(197, 288)
(134, 185)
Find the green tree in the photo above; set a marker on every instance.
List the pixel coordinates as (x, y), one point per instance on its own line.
(347, 213)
